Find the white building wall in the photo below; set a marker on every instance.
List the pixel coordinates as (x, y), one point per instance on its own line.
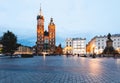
(99, 43)
(69, 42)
(79, 46)
(116, 42)
(68, 48)
(75, 46)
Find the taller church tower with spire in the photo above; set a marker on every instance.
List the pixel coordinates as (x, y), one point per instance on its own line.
(45, 39)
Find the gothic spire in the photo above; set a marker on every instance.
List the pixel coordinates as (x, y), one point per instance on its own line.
(40, 9)
(40, 15)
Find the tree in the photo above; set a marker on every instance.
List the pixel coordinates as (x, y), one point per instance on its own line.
(9, 42)
(0, 46)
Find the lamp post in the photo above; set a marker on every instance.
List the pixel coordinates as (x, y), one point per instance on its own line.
(93, 52)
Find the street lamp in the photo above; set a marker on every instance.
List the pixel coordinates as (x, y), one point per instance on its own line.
(93, 51)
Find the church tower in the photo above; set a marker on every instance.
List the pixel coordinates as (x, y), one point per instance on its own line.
(51, 30)
(45, 39)
(40, 32)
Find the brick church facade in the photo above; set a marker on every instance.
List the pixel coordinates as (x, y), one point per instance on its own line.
(45, 39)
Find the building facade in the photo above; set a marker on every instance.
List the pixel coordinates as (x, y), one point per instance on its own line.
(24, 50)
(98, 44)
(68, 47)
(1, 46)
(79, 46)
(58, 50)
(75, 46)
(45, 39)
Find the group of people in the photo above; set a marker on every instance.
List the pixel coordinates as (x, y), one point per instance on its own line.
(94, 55)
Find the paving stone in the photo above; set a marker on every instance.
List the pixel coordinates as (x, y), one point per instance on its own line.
(59, 69)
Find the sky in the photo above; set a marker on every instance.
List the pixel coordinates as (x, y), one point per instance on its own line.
(73, 18)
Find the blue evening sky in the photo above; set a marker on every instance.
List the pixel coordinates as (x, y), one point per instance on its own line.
(73, 18)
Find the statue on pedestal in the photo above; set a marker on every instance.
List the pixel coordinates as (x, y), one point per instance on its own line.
(109, 46)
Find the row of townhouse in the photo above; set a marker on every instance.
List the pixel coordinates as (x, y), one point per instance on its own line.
(98, 44)
(75, 46)
(95, 45)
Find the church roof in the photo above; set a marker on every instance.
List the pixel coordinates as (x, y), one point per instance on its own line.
(40, 17)
(46, 33)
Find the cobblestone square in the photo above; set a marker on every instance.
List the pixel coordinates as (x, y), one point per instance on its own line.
(59, 69)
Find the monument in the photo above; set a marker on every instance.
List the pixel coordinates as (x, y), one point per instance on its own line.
(109, 49)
